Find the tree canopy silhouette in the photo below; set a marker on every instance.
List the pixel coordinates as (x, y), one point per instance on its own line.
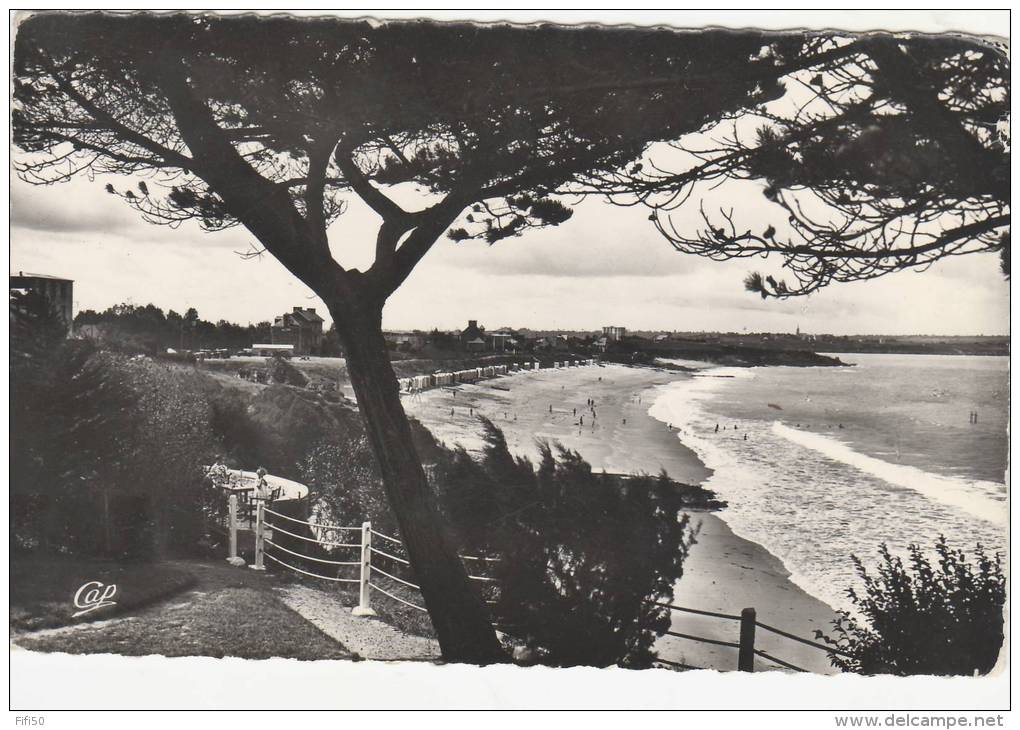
(269, 123)
(891, 155)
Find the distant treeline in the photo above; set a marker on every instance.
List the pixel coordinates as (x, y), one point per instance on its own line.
(642, 351)
(891, 344)
(148, 329)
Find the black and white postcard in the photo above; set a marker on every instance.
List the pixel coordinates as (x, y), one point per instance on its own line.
(631, 351)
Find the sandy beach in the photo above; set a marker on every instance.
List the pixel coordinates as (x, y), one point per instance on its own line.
(552, 404)
(723, 573)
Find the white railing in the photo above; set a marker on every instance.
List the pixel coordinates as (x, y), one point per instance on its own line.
(369, 573)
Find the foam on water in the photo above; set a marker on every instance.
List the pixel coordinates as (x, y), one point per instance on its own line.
(812, 501)
(979, 498)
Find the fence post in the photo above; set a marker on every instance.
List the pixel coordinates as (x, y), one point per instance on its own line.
(232, 525)
(260, 534)
(364, 607)
(745, 660)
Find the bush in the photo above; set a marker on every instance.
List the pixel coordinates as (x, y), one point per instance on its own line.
(282, 372)
(280, 425)
(72, 418)
(343, 477)
(924, 619)
(172, 441)
(582, 556)
(107, 454)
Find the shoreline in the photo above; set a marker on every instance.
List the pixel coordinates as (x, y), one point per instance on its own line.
(723, 572)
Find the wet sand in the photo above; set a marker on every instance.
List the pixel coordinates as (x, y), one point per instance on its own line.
(724, 573)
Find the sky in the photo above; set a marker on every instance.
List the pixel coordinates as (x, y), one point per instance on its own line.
(607, 265)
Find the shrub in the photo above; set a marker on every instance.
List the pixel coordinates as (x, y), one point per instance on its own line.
(281, 424)
(281, 371)
(171, 443)
(72, 417)
(582, 556)
(107, 454)
(924, 619)
(346, 486)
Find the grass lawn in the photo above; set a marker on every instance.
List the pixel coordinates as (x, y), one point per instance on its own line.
(228, 612)
(43, 589)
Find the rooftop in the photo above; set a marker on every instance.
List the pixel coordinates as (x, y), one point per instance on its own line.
(27, 275)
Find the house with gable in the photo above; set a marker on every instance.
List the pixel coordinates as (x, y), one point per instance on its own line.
(301, 328)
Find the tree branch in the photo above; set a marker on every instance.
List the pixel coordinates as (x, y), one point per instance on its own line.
(315, 188)
(373, 197)
(388, 273)
(172, 157)
(263, 207)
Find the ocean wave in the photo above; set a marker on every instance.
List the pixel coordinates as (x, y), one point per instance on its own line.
(807, 507)
(981, 499)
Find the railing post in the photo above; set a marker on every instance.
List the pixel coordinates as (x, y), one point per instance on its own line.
(745, 660)
(364, 607)
(260, 534)
(232, 525)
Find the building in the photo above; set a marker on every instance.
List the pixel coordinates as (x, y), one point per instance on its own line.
(265, 350)
(58, 292)
(406, 341)
(502, 340)
(552, 343)
(475, 339)
(301, 328)
(614, 333)
(470, 335)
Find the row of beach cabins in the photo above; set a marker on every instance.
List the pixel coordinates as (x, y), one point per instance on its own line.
(419, 383)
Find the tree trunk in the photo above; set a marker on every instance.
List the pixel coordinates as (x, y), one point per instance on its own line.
(455, 607)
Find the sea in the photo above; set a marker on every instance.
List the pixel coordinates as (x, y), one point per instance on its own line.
(820, 463)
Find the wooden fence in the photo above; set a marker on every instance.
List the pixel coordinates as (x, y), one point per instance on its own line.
(745, 645)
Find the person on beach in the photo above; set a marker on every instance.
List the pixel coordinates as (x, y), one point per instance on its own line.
(582, 420)
(575, 411)
(624, 421)
(717, 427)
